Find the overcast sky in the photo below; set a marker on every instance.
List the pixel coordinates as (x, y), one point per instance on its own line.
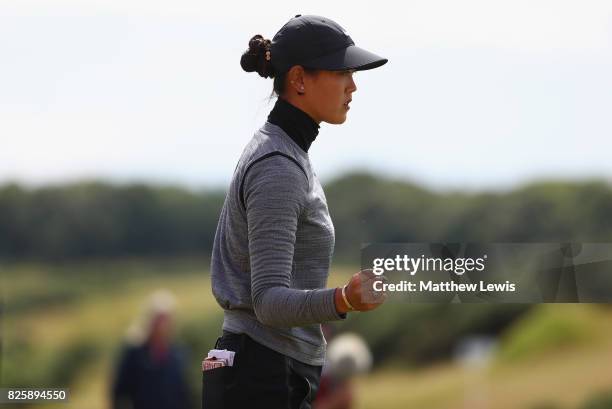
(476, 94)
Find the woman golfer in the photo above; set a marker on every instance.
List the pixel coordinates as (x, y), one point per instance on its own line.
(275, 239)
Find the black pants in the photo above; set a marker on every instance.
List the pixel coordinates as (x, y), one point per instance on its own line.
(259, 378)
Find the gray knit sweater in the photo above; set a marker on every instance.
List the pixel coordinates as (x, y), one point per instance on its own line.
(273, 248)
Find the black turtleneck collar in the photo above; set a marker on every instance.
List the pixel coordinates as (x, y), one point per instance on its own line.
(296, 123)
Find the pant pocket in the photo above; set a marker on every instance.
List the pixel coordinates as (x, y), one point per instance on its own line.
(218, 384)
(307, 401)
(216, 387)
(305, 381)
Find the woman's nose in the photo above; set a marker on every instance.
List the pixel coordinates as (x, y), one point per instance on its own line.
(352, 87)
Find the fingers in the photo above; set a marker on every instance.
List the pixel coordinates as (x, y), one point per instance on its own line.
(362, 290)
(370, 283)
(367, 274)
(374, 290)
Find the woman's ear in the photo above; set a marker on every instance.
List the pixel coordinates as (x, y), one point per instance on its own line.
(295, 76)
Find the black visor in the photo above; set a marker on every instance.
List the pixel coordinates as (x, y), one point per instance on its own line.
(320, 43)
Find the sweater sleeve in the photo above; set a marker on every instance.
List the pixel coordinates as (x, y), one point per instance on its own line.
(275, 192)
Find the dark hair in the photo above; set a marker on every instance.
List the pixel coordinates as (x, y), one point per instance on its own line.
(254, 59)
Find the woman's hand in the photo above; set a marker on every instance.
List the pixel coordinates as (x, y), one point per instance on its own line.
(360, 292)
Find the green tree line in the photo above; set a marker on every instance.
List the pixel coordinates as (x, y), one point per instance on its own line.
(96, 219)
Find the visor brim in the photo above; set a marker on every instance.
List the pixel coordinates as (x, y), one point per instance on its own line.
(349, 58)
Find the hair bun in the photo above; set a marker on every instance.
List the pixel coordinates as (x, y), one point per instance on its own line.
(254, 59)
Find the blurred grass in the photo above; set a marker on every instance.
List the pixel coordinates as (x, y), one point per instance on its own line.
(82, 334)
(550, 328)
(63, 325)
(564, 378)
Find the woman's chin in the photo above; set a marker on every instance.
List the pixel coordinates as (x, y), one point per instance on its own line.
(340, 119)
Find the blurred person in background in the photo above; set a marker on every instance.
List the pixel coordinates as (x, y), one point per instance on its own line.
(347, 356)
(150, 370)
(275, 237)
